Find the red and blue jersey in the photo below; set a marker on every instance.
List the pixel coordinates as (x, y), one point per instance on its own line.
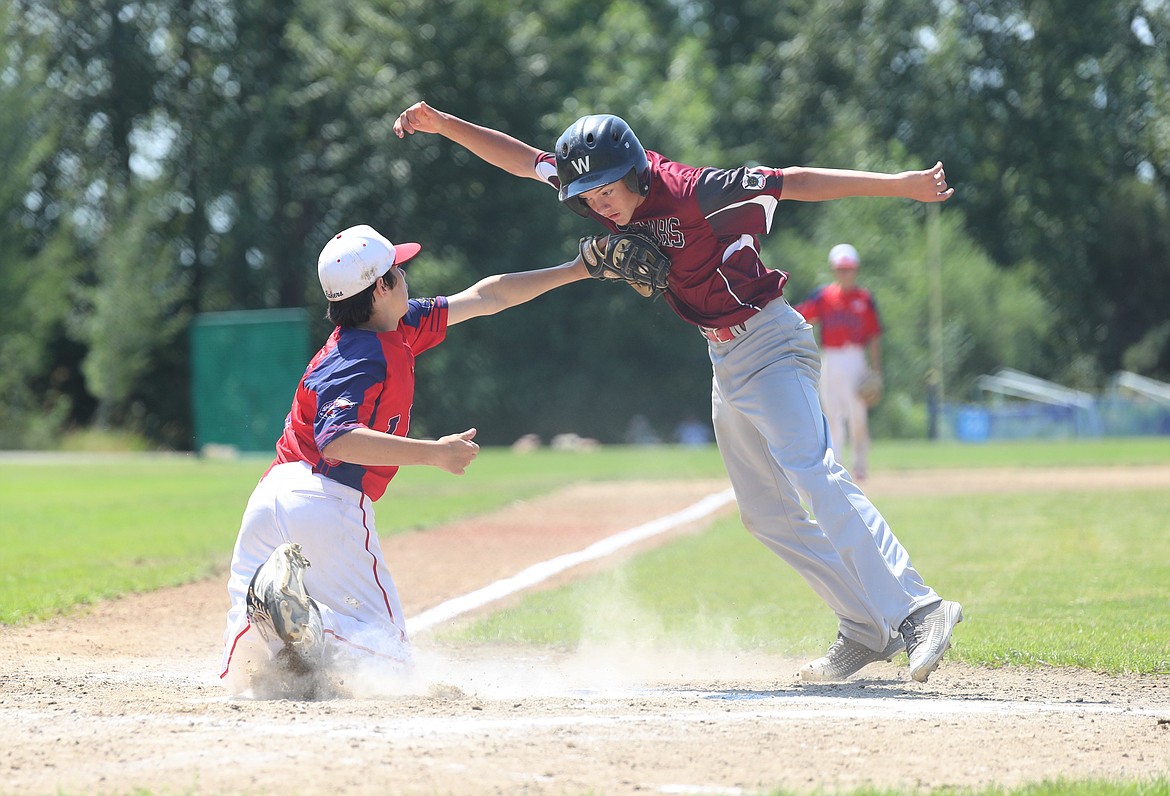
(847, 317)
(360, 379)
(708, 221)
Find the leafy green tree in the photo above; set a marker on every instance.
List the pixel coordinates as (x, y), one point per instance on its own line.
(129, 313)
(36, 260)
(991, 318)
(1040, 108)
(223, 141)
(96, 80)
(1130, 282)
(1037, 108)
(521, 68)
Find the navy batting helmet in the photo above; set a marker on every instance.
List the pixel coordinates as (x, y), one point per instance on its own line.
(598, 150)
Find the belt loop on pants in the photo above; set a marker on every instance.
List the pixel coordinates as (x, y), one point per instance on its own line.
(724, 335)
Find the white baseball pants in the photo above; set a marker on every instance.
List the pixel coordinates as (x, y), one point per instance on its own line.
(842, 370)
(347, 576)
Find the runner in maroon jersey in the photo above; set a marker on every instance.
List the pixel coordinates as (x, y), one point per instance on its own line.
(766, 410)
(344, 440)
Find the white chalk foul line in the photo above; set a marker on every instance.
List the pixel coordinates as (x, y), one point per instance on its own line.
(616, 712)
(537, 573)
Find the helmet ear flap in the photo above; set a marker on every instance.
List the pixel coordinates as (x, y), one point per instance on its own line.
(577, 205)
(637, 182)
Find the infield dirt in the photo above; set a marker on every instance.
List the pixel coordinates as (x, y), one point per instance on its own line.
(123, 697)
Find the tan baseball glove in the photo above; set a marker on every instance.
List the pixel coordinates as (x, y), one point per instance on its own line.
(627, 257)
(870, 388)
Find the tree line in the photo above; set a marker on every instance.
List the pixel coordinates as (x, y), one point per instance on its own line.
(165, 158)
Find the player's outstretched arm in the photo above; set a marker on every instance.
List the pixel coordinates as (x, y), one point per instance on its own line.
(805, 184)
(495, 293)
(452, 453)
(497, 148)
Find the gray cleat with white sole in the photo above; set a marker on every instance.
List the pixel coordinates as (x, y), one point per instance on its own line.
(927, 633)
(845, 658)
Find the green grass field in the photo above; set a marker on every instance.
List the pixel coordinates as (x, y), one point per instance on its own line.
(1066, 578)
(1046, 579)
(923, 455)
(86, 528)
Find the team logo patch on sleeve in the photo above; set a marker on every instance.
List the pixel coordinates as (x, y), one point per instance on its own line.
(753, 181)
(336, 407)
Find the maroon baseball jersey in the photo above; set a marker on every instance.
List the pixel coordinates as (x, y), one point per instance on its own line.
(847, 317)
(360, 378)
(707, 221)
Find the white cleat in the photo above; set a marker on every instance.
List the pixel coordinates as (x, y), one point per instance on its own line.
(927, 633)
(845, 658)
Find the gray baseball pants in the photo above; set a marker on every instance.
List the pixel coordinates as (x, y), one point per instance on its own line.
(775, 443)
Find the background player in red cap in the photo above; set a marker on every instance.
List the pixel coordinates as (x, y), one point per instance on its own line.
(768, 421)
(344, 440)
(850, 356)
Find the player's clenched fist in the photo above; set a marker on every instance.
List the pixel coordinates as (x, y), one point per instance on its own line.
(457, 451)
(928, 185)
(419, 118)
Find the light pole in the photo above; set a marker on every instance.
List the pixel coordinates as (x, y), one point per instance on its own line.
(936, 383)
